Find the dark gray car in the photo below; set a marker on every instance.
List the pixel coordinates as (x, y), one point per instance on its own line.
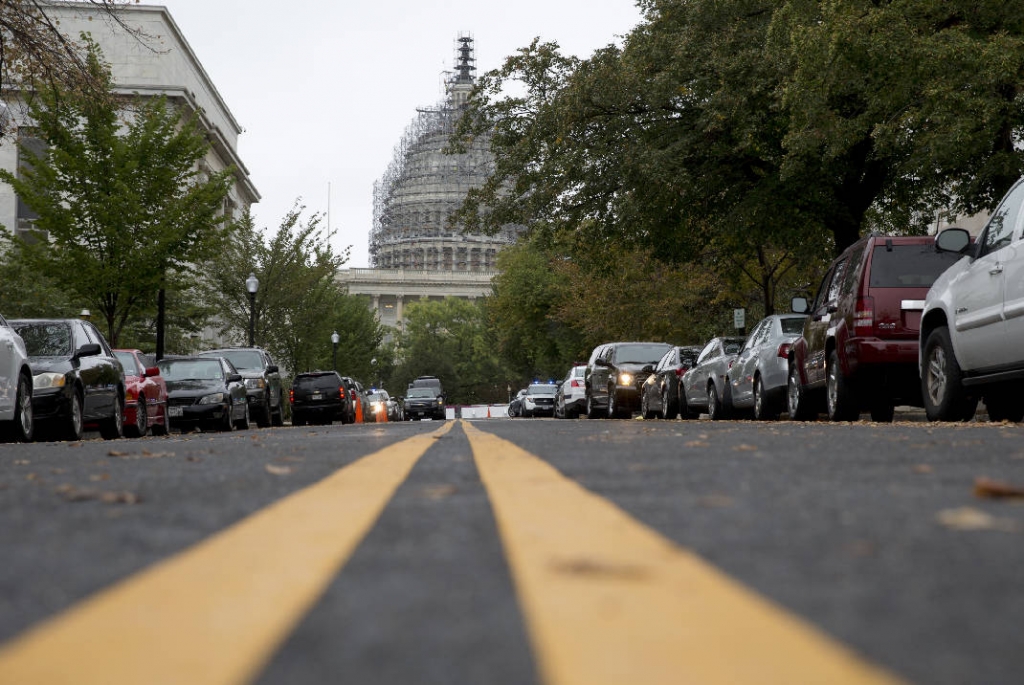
(262, 382)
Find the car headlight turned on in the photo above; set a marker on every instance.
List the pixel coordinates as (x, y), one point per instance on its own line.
(255, 383)
(48, 380)
(215, 398)
(625, 379)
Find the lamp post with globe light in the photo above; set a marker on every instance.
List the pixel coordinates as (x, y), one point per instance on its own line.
(335, 338)
(252, 284)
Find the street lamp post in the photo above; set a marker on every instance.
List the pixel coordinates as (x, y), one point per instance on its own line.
(252, 284)
(334, 341)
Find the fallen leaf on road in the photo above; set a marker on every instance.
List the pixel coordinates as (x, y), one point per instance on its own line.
(715, 501)
(969, 518)
(57, 472)
(278, 470)
(99, 476)
(192, 458)
(994, 489)
(745, 448)
(73, 494)
(598, 568)
(921, 468)
(117, 453)
(145, 454)
(436, 492)
(21, 462)
(696, 443)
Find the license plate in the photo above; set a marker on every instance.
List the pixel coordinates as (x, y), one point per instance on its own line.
(174, 411)
(316, 396)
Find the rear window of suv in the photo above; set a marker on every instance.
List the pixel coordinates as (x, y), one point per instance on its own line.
(909, 266)
(325, 382)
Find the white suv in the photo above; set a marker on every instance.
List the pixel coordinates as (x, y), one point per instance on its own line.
(15, 386)
(972, 326)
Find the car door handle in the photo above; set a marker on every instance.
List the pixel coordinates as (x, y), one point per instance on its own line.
(996, 270)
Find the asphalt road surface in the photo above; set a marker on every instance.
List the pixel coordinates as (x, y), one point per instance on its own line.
(517, 551)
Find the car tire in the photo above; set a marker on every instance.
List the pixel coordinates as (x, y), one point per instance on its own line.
(112, 428)
(715, 409)
(161, 428)
(840, 402)
(941, 386)
(141, 426)
(669, 409)
(798, 402)
(645, 409)
(243, 423)
(277, 417)
(614, 410)
(763, 409)
(22, 427)
(227, 424)
(264, 416)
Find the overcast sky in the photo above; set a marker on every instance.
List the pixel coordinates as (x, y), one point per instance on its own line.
(325, 90)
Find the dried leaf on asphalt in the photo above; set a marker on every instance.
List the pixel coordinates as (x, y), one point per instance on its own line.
(436, 492)
(278, 470)
(117, 453)
(745, 448)
(715, 501)
(95, 478)
(696, 443)
(921, 468)
(21, 462)
(969, 518)
(994, 489)
(73, 494)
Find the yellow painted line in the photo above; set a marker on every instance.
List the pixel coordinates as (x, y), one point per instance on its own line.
(607, 600)
(214, 614)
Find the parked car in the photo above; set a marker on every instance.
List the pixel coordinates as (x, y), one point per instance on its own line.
(571, 396)
(382, 405)
(204, 392)
(145, 401)
(760, 377)
(972, 327)
(16, 417)
(859, 346)
(424, 403)
(262, 382)
(515, 407)
(660, 394)
(432, 382)
(539, 400)
(76, 378)
(318, 397)
(353, 397)
(615, 374)
(705, 386)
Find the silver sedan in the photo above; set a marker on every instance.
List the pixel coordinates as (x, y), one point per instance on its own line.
(758, 378)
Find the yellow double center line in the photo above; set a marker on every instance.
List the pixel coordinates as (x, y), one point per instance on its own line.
(606, 599)
(609, 601)
(215, 613)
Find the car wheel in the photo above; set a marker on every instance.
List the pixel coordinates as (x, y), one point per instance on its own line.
(113, 428)
(243, 423)
(645, 408)
(669, 409)
(614, 410)
(592, 410)
(798, 402)
(714, 404)
(227, 424)
(22, 427)
(839, 399)
(941, 387)
(263, 416)
(277, 417)
(161, 428)
(763, 411)
(141, 426)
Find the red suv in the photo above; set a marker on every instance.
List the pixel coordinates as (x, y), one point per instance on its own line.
(858, 350)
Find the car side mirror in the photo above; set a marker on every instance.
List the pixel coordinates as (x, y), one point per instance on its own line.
(151, 371)
(601, 362)
(953, 240)
(272, 368)
(799, 305)
(87, 350)
(235, 378)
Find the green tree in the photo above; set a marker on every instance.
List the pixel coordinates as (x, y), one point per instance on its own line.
(299, 302)
(119, 193)
(450, 339)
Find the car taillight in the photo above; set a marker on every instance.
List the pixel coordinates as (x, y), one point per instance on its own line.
(575, 384)
(291, 396)
(864, 316)
(783, 351)
(341, 392)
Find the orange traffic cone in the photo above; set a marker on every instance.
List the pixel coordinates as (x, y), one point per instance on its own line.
(382, 417)
(359, 410)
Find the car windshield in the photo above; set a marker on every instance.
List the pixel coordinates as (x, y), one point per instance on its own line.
(243, 360)
(688, 357)
(640, 353)
(732, 346)
(420, 392)
(793, 326)
(377, 397)
(321, 382)
(542, 389)
(45, 339)
(909, 266)
(190, 369)
(127, 360)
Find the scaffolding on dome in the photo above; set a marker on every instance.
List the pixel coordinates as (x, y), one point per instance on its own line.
(422, 187)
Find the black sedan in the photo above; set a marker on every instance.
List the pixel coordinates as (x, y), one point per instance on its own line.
(75, 377)
(318, 397)
(204, 392)
(424, 403)
(660, 393)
